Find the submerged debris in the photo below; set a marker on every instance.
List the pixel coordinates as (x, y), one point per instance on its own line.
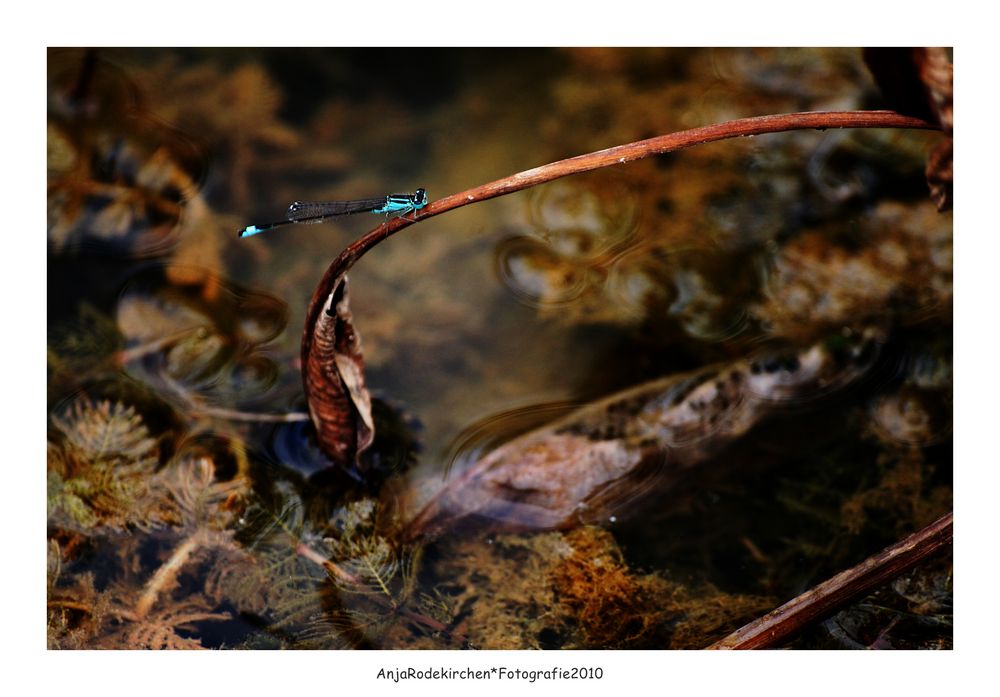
(902, 269)
(575, 590)
(589, 464)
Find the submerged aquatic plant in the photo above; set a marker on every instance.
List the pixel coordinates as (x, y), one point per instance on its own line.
(576, 590)
(100, 467)
(171, 627)
(342, 589)
(615, 607)
(239, 109)
(206, 511)
(89, 343)
(111, 483)
(121, 181)
(81, 616)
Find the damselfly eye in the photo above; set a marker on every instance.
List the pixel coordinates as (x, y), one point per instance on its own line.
(420, 197)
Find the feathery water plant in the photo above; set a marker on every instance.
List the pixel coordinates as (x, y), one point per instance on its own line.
(100, 466)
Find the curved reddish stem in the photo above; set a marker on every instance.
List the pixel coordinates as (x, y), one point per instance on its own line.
(618, 155)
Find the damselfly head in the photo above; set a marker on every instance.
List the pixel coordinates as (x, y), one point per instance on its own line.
(420, 197)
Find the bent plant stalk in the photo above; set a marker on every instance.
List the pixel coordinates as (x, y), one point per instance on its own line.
(339, 402)
(167, 573)
(835, 594)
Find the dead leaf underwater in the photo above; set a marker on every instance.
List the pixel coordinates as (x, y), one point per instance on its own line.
(598, 459)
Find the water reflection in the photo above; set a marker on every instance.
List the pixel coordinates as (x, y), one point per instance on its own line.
(494, 430)
(576, 236)
(121, 182)
(589, 260)
(197, 347)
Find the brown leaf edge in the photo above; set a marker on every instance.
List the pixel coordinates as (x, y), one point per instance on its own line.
(936, 73)
(919, 82)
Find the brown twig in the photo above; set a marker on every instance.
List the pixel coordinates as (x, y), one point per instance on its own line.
(197, 407)
(836, 593)
(236, 415)
(167, 573)
(618, 155)
(307, 552)
(126, 356)
(71, 605)
(609, 157)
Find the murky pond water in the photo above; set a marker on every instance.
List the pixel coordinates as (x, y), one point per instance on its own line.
(790, 293)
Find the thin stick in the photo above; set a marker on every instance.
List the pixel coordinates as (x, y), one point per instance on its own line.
(167, 572)
(307, 552)
(234, 415)
(840, 591)
(71, 605)
(142, 350)
(197, 407)
(618, 155)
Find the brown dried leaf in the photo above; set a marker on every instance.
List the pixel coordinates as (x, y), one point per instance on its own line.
(936, 74)
(334, 381)
(898, 77)
(918, 81)
(940, 175)
(590, 464)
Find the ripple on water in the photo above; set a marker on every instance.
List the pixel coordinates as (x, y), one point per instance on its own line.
(121, 182)
(492, 431)
(575, 234)
(537, 275)
(185, 340)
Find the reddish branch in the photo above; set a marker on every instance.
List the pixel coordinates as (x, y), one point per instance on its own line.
(620, 154)
(840, 591)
